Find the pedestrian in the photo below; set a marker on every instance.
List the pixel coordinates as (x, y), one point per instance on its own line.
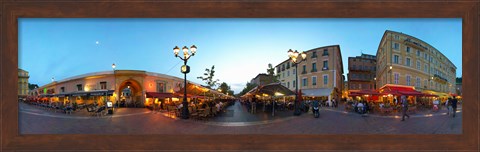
(366, 107)
(448, 106)
(336, 103)
(454, 105)
(333, 102)
(161, 104)
(154, 106)
(254, 107)
(405, 107)
(435, 105)
(355, 106)
(360, 108)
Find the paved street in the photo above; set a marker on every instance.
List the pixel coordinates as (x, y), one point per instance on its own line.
(236, 120)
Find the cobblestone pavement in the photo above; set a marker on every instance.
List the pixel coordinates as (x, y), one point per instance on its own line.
(33, 120)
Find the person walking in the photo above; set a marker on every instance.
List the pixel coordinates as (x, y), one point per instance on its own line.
(448, 106)
(154, 106)
(454, 105)
(254, 107)
(405, 107)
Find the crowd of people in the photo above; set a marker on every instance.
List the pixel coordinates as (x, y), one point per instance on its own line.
(402, 105)
(267, 105)
(214, 106)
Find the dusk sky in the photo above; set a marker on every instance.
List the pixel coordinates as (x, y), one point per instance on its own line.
(239, 48)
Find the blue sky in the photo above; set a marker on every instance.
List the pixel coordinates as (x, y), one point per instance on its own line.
(239, 48)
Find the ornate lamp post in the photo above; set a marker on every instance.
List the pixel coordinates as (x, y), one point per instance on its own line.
(295, 60)
(185, 69)
(115, 85)
(390, 71)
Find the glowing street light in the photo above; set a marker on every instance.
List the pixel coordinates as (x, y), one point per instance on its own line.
(185, 69)
(294, 57)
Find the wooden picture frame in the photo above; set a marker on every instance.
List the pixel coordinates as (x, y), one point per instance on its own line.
(11, 10)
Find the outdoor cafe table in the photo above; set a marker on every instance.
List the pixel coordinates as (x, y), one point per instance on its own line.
(386, 110)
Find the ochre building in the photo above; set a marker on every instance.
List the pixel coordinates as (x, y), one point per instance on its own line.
(406, 60)
(361, 72)
(22, 83)
(321, 75)
(128, 87)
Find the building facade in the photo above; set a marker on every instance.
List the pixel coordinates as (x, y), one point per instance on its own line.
(263, 79)
(320, 75)
(22, 83)
(361, 72)
(458, 86)
(405, 60)
(127, 86)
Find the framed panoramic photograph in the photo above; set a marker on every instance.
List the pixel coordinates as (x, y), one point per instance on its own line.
(247, 76)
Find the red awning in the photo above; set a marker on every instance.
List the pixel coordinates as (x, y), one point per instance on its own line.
(363, 92)
(429, 95)
(411, 93)
(178, 95)
(159, 95)
(401, 90)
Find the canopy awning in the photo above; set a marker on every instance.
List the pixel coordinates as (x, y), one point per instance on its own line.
(275, 89)
(434, 93)
(159, 95)
(272, 89)
(400, 90)
(46, 95)
(62, 95)
(178, 95)
(195, 90)
(89, 93)
(100, 93)
(317, 92)
(363, 92)
(198, 91)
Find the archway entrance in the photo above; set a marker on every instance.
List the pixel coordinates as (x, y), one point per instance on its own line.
(130, 93)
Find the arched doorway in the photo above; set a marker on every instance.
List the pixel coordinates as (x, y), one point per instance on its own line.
(131, 94)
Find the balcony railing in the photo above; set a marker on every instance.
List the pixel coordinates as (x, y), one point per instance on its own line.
(325, 54)
(440, 78)
(314, 70)
(415, 44)
(324, 68)
(304, 72)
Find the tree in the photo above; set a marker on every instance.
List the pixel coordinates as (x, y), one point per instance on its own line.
(225, 89)
(270, 70)
(208, 77)
(230, 92)
(247, 88)
(271, 74)
(32, 86)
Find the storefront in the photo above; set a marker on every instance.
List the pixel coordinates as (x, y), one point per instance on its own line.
(392, 93)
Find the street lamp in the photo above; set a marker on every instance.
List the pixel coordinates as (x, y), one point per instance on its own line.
(185, 69)
(390, 71)
(115, 84)
(294, 57)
